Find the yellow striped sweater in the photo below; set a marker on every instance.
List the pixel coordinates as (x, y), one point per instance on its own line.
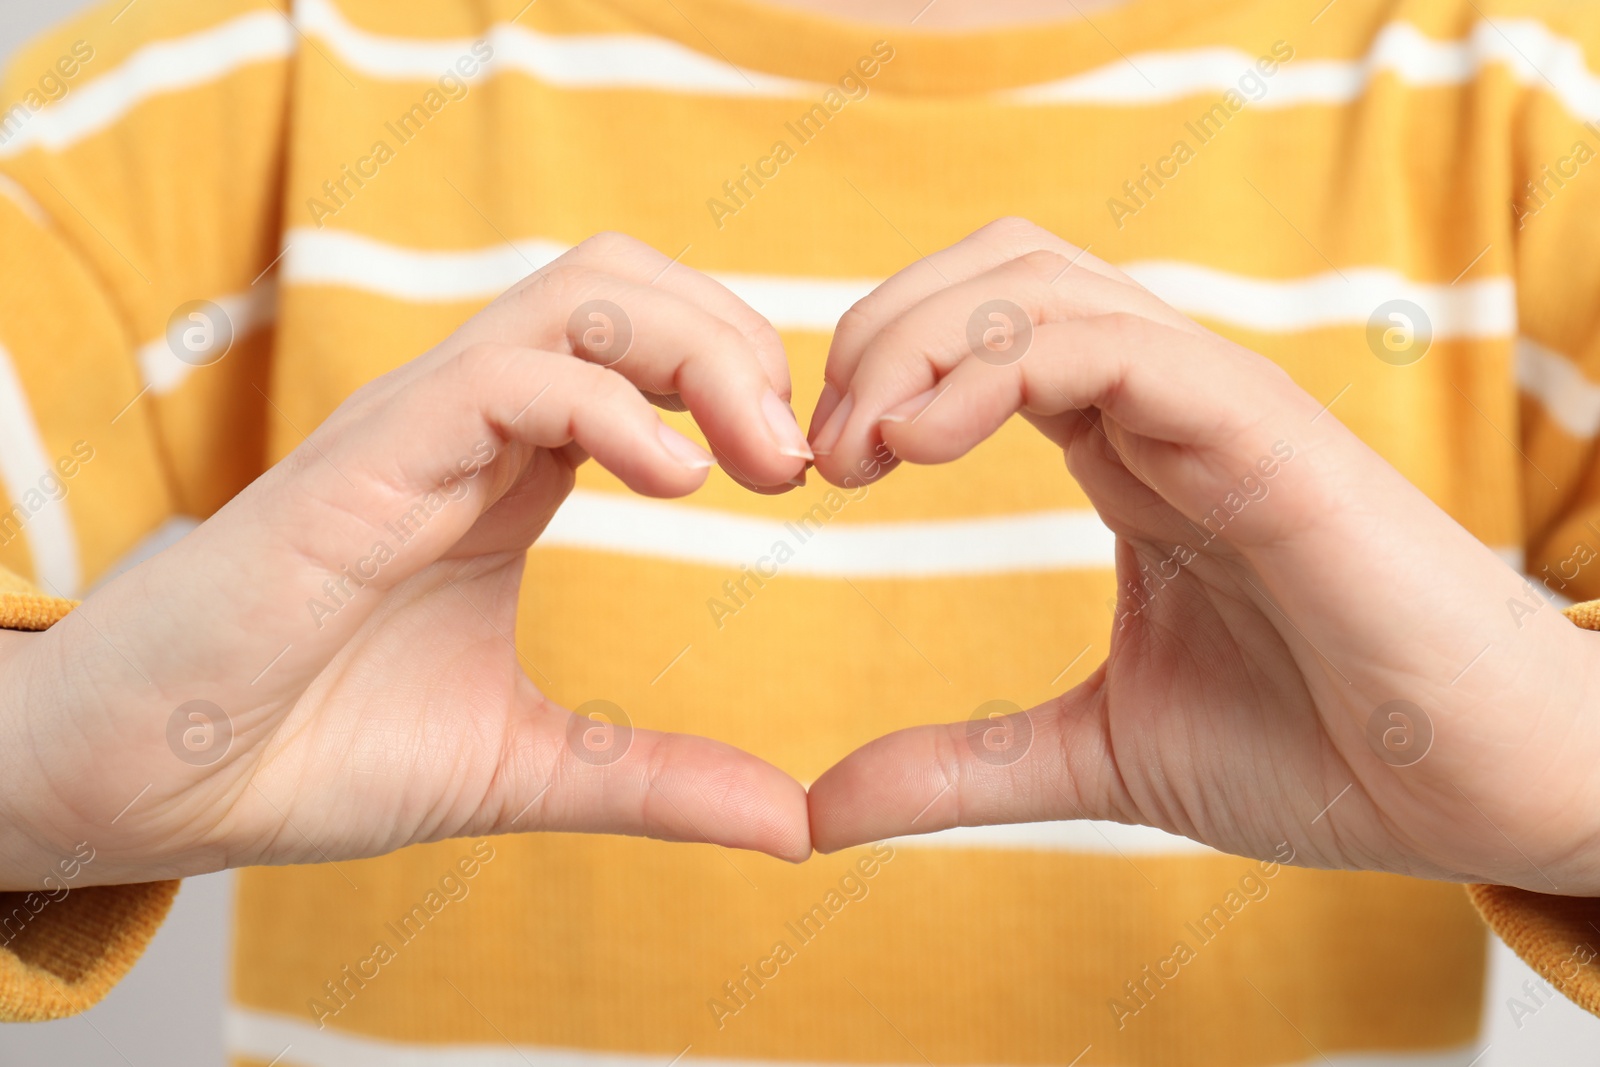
(1397, 200)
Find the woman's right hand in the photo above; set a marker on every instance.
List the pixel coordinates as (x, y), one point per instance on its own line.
(398, 712)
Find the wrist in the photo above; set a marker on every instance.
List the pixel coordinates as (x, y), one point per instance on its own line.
(24, 859)
(1580, 683)
(48, 844)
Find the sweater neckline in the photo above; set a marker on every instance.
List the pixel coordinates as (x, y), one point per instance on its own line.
(807, 46)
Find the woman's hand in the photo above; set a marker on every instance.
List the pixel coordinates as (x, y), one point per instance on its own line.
(326, 669)
(1305, 647)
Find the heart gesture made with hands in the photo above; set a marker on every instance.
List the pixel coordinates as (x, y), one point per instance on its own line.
(1288, 667)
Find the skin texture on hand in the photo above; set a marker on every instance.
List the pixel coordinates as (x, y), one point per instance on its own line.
(398, 711)
(1306, 649)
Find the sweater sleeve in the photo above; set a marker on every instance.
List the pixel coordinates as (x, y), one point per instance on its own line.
(141, 156)
(142, 150)
(61, 948)
(1559, 937)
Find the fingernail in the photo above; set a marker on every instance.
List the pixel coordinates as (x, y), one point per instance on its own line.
(683, 450)
(825, 404)
(785, 430)
(828, 436)
(909, 411)
(799, 480)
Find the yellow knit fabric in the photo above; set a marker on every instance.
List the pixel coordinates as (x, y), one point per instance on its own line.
(22, 607)
(67, 951)
(352, 188)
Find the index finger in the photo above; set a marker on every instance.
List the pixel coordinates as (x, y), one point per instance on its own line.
(979, 252)
(637, 262)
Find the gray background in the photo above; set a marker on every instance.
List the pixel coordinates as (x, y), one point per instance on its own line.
(169, 1011)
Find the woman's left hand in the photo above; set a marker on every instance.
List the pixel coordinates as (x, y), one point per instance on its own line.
(1306, 648)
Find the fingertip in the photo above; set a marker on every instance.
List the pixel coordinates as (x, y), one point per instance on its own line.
(784, 427)
(827, 401)
(791, 822)
(756, 461)
(828, 436)
(759, 807)
(827, 831)
(828, 844)
(780, 484)
(855, 468)
(795, 855)
(682, 451)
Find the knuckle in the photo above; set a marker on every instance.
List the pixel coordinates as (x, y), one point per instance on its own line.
(1124, 322)
(366, 399)
(901, 347)
(854, 325)
(484, 359)
(754, 325)
(559, 293)
(1044, 262)
(549, 287)
(948, 747)
(564, 284)
(1123, 327)
(724, 337)
(491, 367)
(608, 245)
(579, 373)
(655, 820)
(721, 351)
(603, 384)
(1013, 230)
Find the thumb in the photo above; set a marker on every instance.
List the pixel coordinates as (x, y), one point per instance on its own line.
(1049, 762)
(592, 771)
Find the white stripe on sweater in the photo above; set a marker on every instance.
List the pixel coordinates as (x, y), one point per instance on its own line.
(1530, 52)
(297, 1042)
(30, 480)
(1485, 308)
